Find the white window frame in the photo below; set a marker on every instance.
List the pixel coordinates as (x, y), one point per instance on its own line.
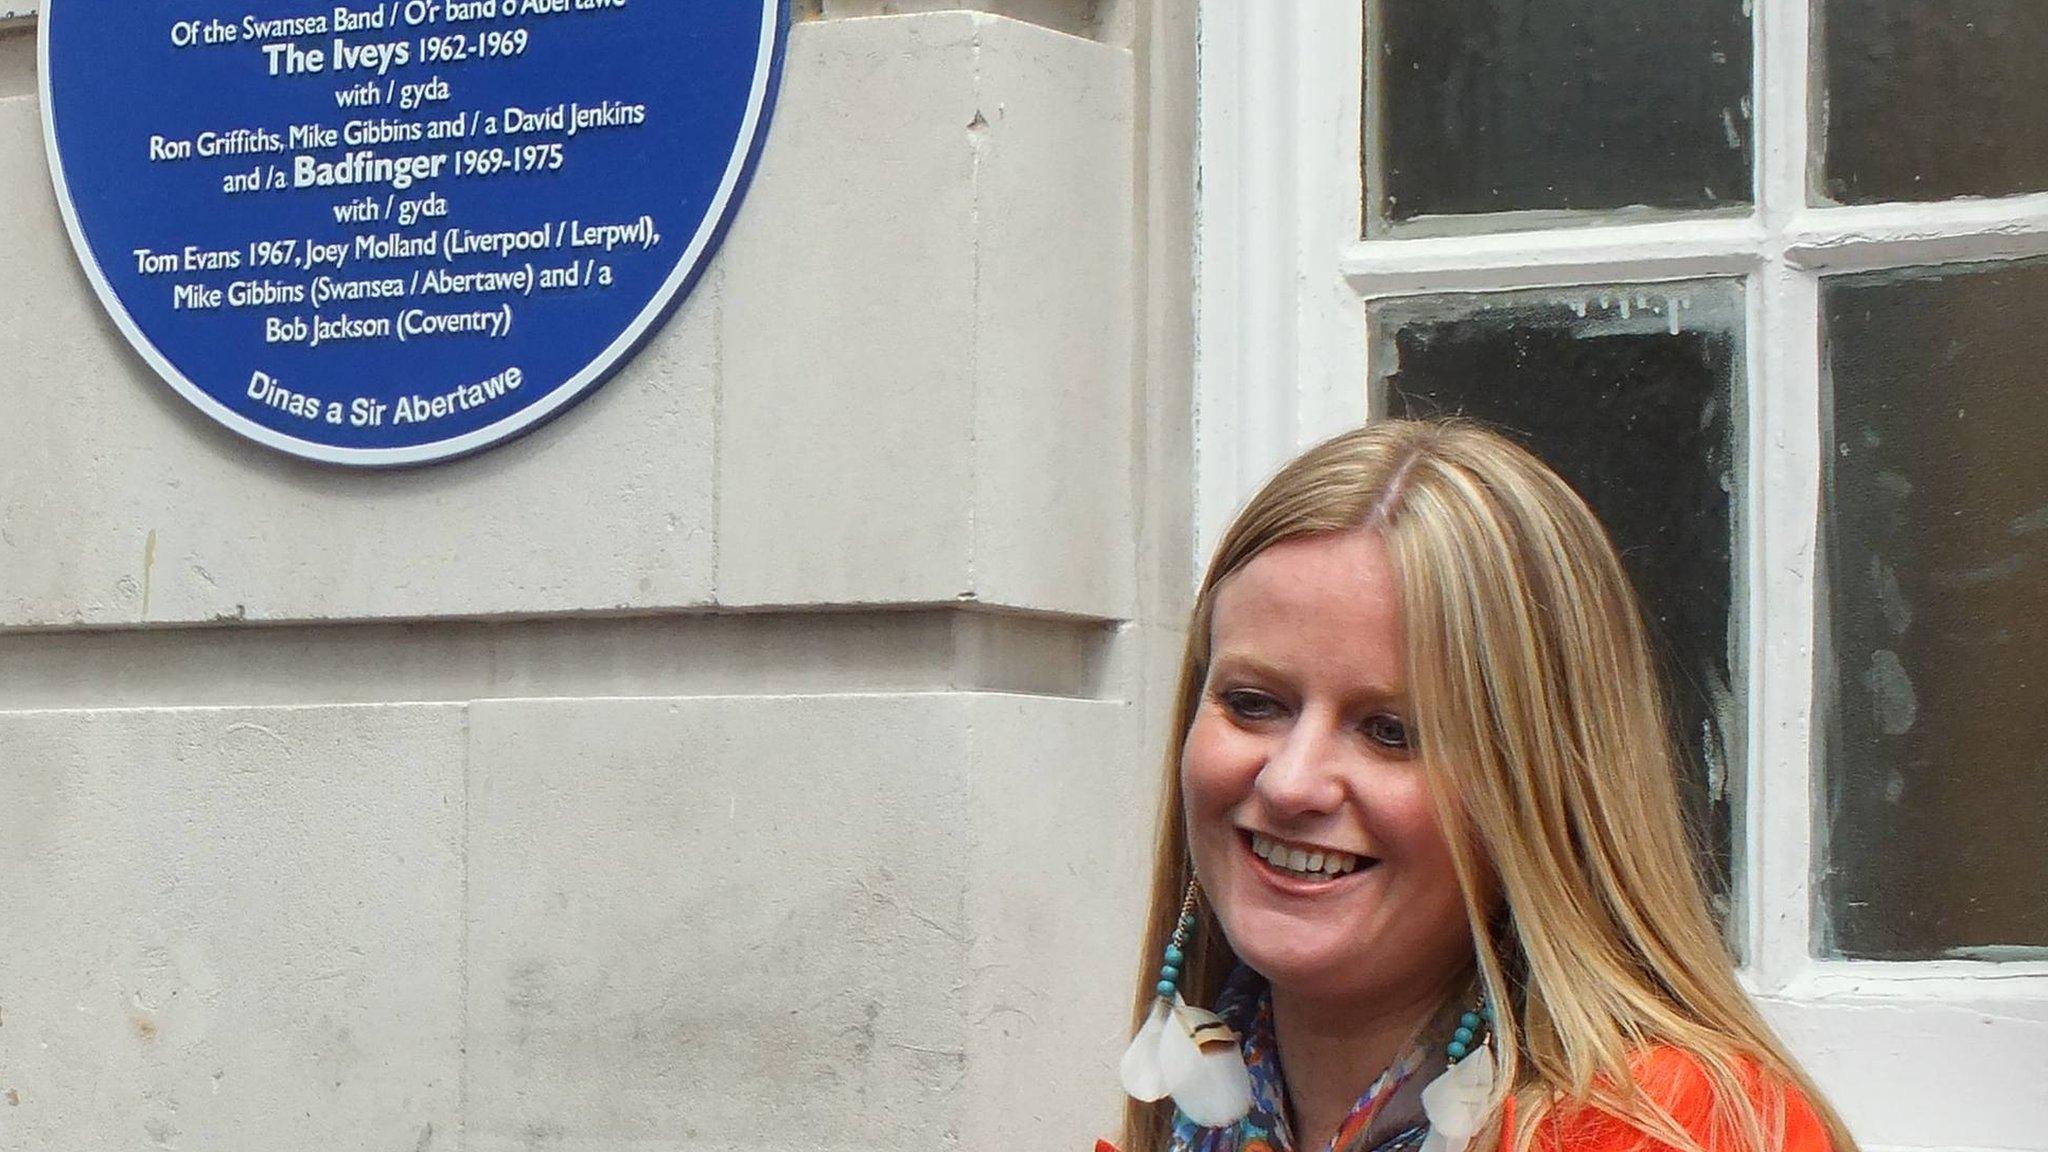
(1948, 1055)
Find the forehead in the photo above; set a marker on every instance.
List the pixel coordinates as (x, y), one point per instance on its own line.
(1332, 599)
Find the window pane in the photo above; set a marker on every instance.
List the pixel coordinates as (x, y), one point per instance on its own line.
(1934, 99)
(1630, 392)
(1934, 828)
(1506, 105)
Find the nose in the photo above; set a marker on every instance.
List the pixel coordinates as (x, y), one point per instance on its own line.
(1302, 775)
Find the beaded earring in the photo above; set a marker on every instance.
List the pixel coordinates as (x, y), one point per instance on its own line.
(1469, 1031)
(1457, 1101)
(1185, 1052)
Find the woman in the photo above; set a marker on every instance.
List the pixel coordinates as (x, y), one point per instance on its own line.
(1427, 820)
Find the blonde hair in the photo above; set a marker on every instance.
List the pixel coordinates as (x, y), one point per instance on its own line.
(1543, 732)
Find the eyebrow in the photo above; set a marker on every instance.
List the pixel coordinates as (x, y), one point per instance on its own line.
(1378, 692)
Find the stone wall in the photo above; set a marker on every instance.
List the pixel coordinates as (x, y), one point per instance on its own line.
(758, 756)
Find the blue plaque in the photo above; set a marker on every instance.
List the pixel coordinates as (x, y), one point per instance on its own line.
(390, 232)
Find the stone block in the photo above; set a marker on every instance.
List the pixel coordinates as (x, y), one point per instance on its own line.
(693, 920)
(870, 921)
(1060, 829)
(912, 360)
(845, 463)
(231, 928)
(1054, 478)
(954, 422)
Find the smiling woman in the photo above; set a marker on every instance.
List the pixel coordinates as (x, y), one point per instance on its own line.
(1424, 849)
(1300, 754)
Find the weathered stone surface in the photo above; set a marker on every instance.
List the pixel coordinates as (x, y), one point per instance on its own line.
(231, 928)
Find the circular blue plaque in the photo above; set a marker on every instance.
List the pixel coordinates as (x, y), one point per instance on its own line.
(390, 232)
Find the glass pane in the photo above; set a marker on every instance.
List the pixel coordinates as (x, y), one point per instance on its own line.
(1506, 105)
(1932, 100)
(1935, 784)
(1630, 392)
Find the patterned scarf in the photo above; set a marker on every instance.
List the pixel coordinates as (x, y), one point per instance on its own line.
(1247, 1006)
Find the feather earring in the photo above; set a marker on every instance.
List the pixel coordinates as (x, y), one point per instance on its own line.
(1458, 1101)
(1185, 1052)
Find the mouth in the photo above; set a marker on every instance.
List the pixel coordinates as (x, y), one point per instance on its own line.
(1306, 861)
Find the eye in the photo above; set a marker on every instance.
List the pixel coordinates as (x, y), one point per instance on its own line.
(1247, 705)
(1386, 731)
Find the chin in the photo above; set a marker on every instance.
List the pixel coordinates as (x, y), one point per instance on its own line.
(1295, 960)
(1345, 969)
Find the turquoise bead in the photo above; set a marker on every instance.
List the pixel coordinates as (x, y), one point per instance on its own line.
(1469, 1020)
(1174, 955)
(1165, 988)
(1457, 1050)
(1169, 975)
(1463, 1035)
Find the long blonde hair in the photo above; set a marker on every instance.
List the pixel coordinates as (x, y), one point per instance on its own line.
(1543, 731)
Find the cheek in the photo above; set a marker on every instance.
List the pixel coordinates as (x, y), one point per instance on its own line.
(1442, 927)
(1213, 777)
(1411, 823)
(1414, 820)
(1216, 776)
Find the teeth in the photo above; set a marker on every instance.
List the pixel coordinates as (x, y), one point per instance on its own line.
(1323, 862)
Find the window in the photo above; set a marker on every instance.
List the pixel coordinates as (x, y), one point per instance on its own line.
(1587, 376)
(1769, 282)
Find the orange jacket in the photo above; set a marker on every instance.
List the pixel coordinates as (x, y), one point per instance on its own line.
(1676, 1082)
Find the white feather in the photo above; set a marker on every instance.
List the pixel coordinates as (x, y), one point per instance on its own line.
(1458, 1101)
(1209, 1083)
(1217, 1092)
(1142, 1075)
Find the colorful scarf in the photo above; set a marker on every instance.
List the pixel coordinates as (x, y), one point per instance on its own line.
(1247, 1006)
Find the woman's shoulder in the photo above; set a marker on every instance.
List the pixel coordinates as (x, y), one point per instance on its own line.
(1678, 1083)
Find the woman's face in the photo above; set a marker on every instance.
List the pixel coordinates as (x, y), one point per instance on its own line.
(1308, 817)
